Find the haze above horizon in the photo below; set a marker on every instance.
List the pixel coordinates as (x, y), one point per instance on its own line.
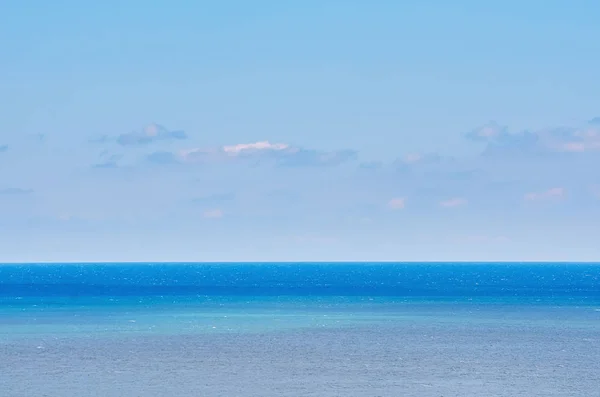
(300, 131)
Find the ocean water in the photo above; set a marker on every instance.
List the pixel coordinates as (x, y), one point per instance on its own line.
(300, 329)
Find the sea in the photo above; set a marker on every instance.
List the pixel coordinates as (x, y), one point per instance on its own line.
(300, 329)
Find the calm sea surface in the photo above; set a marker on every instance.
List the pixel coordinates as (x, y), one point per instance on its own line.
(291, 329)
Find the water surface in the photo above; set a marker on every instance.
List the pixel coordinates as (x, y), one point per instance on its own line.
(348, 329)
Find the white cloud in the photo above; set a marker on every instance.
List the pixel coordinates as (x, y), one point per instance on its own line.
(257, 146)
(228, 151)
(453, 202)
(397, 203)
(281, 154)
(553, 193)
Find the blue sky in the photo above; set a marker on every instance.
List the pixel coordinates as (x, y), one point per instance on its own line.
(305, 130)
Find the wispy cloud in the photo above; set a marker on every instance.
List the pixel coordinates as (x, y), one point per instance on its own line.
(212, 214)
(421, 161)
(12, 191)
(101, 139)
(513, 143)
(585, 138)
(575, 140)
(553, 193)
(371, 165)
(397, 203)
(38, 137)
(108, 161)
(453, 202)
(163, 157)
(305, 157)
(279, 154)
(148, 134)
(421, 158)
(487, 132)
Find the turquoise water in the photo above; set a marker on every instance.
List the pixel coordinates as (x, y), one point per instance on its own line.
(84, 316)
(300, 329)
(72, 299)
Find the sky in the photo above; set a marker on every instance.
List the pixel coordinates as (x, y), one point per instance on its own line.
(299, 131)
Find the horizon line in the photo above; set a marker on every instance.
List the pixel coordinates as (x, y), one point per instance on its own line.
(255, 262)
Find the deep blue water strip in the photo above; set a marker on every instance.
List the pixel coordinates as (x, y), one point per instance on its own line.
(304, 279)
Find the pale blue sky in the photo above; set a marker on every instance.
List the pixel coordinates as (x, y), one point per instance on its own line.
(373, 130)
